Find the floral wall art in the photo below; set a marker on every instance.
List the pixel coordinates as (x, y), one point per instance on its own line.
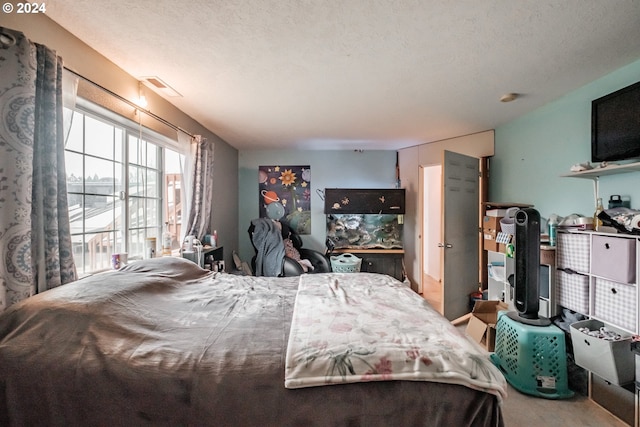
(285, 195)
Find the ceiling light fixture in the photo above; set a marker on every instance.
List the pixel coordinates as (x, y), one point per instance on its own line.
(142, 99)
(508, 97)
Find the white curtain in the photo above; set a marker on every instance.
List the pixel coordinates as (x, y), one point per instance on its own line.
(197, 196)
(187, 156)
(69, 96)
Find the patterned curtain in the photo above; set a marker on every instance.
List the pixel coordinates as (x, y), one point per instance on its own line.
(201, 189)
(35, 240)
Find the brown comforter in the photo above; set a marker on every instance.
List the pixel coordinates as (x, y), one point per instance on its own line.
(163, 342)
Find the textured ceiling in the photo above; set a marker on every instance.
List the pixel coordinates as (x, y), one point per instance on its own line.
(358, 74)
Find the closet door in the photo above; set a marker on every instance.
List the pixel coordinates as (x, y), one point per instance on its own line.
(460, 237)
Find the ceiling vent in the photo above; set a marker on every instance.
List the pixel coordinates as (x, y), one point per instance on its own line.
(159, 86)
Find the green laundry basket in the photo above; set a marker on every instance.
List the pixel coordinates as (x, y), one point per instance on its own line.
(533, 359)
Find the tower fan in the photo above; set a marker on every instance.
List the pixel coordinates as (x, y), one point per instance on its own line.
(527, 274)
(529, 350)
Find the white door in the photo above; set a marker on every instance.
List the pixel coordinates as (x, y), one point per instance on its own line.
(460, 212)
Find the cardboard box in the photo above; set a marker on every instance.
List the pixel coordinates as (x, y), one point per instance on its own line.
(482, 323)
(490, 243)
(548, 255)
(491, 222)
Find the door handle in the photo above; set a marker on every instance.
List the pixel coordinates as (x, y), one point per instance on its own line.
(445, 245)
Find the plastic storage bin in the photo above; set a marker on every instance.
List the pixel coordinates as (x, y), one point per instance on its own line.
(614, 258)
(572, 291)
(611, 360)
(345, 263)
(615, 303)
(618, 400)
(533, 359)
(573, 251)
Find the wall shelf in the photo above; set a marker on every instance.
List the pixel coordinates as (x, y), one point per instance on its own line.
(609, 170)
(595, 174)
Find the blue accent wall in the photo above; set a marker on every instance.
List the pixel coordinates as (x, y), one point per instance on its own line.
(329, 169)
(532, 152)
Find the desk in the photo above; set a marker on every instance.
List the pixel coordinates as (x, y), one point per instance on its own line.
(385, 261)
(210, 258)
(213, 258)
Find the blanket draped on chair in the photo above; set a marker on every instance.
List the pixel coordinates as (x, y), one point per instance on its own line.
(267, 239)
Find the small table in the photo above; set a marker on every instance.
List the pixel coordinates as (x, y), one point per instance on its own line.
(210, 258)
(213, 258)
(384, 261)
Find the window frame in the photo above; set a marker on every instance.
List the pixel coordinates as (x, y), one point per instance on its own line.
(129, 132)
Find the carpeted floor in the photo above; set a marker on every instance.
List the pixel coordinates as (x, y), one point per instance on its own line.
(524, 410)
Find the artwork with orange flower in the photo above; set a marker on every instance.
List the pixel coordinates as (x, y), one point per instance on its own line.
(288, 177)
(285, 195)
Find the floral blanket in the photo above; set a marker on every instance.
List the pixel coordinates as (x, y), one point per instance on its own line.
(362, 327)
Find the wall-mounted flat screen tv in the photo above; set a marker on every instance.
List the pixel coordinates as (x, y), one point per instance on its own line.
(615, 125)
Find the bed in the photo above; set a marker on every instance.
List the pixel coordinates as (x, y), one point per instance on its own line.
(163, 342)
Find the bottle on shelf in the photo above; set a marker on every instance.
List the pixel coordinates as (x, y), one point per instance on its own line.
(166, 240)
(597, 222)
(553, 228)
(214, 239)
(150, 249)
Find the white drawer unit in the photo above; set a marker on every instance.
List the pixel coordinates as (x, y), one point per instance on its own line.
(610, 284)
(501, 268)
(597, 276)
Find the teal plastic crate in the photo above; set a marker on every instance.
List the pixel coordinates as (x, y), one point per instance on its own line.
(533, 359)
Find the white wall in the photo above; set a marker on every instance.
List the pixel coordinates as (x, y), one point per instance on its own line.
(432, 224)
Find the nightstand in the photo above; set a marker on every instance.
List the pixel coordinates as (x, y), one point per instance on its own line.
(213, 258)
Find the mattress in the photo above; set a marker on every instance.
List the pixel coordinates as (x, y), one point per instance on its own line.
(164, 342)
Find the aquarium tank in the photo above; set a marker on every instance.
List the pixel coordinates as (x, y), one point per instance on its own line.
(365, 231)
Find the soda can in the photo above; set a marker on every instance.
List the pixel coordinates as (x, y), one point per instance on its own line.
(115, 261)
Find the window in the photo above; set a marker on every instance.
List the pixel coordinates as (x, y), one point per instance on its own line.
(123, 185)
